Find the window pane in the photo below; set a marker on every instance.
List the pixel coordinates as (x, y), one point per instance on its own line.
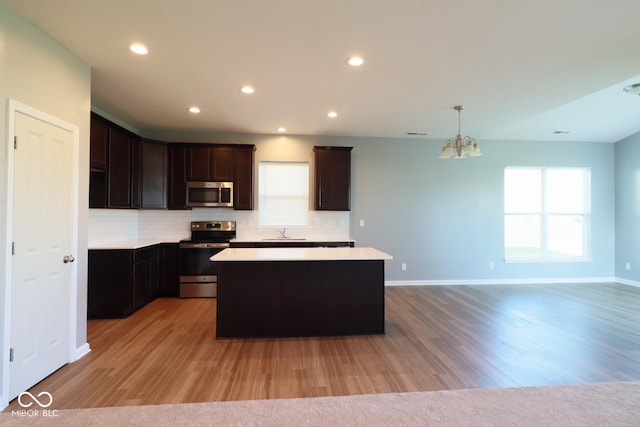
(566, 190)
(565, 235)
(522, 190)
(522, 235)
(283, 191)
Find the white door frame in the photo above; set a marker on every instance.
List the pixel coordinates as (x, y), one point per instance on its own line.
(14, 107)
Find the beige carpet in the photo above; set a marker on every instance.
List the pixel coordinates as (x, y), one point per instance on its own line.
(606, 404)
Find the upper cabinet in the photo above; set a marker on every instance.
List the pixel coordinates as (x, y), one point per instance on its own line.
(127, 172)
(114, 161)
(332, 178)
(243, 177)
(99, 148)
(209, 162)
(153, 174)
(177, 177)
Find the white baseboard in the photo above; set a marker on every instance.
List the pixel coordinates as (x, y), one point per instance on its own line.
(627, 282)
(81, 351)
(563, 280)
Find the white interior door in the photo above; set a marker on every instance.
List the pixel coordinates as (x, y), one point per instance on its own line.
(42, 238)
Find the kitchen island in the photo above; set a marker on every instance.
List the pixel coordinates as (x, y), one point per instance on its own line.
(294, 292)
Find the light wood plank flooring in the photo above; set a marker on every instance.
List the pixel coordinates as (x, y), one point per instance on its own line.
(437, 337)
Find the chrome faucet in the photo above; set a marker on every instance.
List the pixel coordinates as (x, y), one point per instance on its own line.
(283, 233)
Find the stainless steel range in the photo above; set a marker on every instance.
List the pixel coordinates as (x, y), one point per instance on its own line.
(198, 275)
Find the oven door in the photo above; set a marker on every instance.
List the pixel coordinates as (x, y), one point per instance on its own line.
(198, 275)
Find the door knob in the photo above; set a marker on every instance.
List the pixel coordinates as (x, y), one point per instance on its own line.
(68, 258)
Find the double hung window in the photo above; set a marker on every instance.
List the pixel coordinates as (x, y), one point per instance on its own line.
(283, 193)
(546, 213)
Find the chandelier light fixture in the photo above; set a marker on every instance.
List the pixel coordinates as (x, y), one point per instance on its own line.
(459, 147)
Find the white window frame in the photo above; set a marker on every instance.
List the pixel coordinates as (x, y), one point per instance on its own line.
(544, 214)
(268, 212)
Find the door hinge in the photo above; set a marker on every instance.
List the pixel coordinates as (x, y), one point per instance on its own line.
(11, 355)
(13, 248)
(15, 142)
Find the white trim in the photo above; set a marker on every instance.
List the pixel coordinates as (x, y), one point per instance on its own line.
(81, 352)
(14, 107)
(628, 282)
(511, 260)
(551, 280)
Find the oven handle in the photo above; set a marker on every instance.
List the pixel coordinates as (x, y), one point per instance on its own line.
(203, 245)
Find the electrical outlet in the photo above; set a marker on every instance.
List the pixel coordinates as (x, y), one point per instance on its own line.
(627, 266)
(404, 267)
(362, 223)
(492, 265)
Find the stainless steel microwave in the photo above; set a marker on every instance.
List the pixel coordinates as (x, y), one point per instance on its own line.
(210, 194)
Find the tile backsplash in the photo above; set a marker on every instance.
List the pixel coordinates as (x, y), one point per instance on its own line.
(114, 225)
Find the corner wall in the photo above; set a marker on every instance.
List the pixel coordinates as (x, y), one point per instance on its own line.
(627, 176)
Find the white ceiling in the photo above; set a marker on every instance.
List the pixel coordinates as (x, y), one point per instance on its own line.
(523, 69)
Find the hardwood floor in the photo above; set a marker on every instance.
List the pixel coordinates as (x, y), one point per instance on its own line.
(437, 337)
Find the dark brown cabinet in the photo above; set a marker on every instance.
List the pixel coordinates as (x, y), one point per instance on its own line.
(300, 298)
(120, 281)
(243, 177)
(332, 178)
(99, 144)
(124, 155)
(177, 176)
(115, 157)
(144, 276)
(169, 282)
(207, 162)
(153, 171)
(127, 172)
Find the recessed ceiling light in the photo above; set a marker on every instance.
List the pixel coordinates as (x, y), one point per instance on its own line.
(194, 110)
(417, 133)
(355, 61)
(332, 114)
(633, 89)
(247, 89)
(282, 130)
(139, 49)
(561, 132)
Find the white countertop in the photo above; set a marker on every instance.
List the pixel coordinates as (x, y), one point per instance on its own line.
(125, 244)
(300, 254)
(289, 239)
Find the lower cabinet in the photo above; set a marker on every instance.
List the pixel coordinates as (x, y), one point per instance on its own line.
(169, 281)
(120, 281)
(300, 298)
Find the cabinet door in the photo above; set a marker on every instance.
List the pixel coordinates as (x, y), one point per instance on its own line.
(259, 299)
(136, 185)
(198, 163)
(221, 163)
(144, 276)
(169, 281)
(119, 176)
(343, 297)
(177, 176)
(109, 284)
(154, 175)
(333, 178)
(243, 178)
(99, 143)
